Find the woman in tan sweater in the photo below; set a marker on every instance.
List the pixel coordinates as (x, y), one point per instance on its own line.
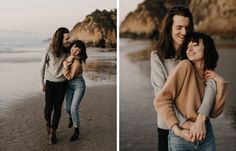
(185, 88)
(73, 71)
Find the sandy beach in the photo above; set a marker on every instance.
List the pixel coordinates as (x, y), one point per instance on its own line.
(22, 124)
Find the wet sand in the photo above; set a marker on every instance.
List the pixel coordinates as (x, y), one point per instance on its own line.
(22, 124)
(137, 115)
(22, 128)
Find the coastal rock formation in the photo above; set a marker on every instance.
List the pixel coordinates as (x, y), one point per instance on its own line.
(97, 30)
(145, 21)
(216, 17)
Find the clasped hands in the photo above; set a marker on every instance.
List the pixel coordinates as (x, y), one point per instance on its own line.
(192, 131)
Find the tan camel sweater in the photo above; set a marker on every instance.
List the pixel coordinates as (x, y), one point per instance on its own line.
(74, 70)
(185, 88)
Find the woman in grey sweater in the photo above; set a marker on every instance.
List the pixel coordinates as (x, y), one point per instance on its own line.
(53, 83)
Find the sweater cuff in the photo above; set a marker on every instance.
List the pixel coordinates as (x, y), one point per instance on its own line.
(171, 122)
(182, 122)
(205, 111)
(70, 58)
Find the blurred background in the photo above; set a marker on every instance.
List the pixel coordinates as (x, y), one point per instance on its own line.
(26, 30)
(140, 21)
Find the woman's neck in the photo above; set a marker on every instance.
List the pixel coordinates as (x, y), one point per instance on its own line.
(199, 64)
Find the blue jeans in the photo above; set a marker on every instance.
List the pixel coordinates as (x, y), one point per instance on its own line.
(74, 94)
(176, 143)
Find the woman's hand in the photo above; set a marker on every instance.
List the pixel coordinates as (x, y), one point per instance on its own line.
(187, 124)
(66, 64)
(42, 87)
(213, 75)
(198, 129)
(183, 133)
(74, 51)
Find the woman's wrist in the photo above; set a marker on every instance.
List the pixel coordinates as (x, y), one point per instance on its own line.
(176, 129)
(201, 117)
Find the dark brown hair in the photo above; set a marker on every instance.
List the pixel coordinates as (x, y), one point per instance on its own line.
(210, 52)
(57, 42)
(82, 55)
(165, 47)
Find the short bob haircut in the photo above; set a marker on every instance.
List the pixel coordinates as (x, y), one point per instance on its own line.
(210, 52)
(82, 56)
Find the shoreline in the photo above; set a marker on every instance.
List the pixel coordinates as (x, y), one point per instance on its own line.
(22, 127)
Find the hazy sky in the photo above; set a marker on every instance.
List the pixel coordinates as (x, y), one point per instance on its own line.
(45, 16)
(127, 6)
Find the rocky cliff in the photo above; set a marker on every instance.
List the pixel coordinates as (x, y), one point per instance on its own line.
(97, 30)
(216, 17)
(145, 21)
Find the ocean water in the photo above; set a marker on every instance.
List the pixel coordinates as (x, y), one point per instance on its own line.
(20, 69)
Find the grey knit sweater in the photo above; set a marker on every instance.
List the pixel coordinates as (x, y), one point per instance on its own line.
(52, 67)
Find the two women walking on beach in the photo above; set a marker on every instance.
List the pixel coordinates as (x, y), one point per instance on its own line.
(54, 81)
(178, 25)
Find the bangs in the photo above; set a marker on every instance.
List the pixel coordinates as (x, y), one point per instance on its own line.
(195, 37)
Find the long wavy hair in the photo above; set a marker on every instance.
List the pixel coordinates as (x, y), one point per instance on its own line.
(82, 56)
(57, 42)
(210, 52)
(165, 47)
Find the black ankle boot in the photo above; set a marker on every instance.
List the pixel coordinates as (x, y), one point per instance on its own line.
(48, 127)
(75, 135)
(53, 137)
(70, 124)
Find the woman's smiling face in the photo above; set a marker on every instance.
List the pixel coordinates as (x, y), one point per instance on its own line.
(195, 51)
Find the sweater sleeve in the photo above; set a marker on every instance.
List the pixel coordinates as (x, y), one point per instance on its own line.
(73, 70)
(43, 66)
(164, 102)
(208, 98)
(220, 99)
(158, 77)
(158, 80)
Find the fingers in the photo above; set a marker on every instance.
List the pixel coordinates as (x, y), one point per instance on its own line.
(190, 135)
(201, 136)
(66, 64)
(209, 75)
(193, 138)
(42, 88)
(73, 49)
(185, 134)
(77, 51)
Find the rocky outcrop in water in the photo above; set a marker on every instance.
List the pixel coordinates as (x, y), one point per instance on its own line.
(216, 17)
(97, 30)
(146, 20)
